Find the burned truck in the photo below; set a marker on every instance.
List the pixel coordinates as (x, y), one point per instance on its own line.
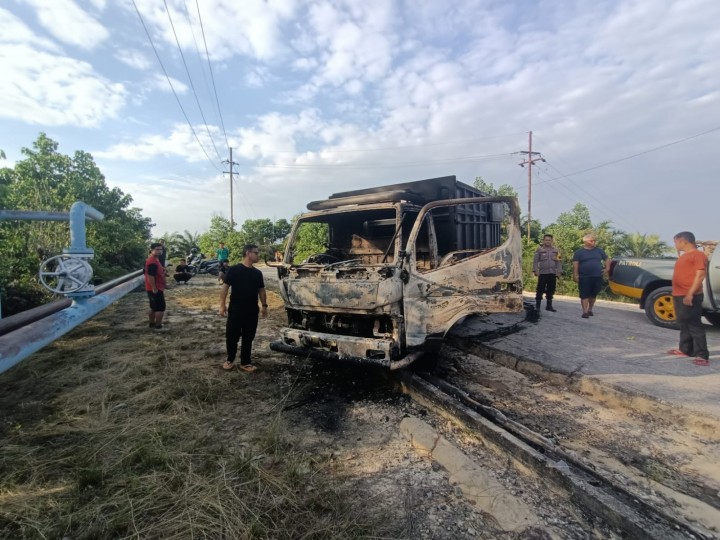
(400, 265)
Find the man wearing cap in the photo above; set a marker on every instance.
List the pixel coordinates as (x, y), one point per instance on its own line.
(547, 267)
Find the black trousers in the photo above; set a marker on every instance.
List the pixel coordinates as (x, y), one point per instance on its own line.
(546, 284)
(241, 324)
(692, 332)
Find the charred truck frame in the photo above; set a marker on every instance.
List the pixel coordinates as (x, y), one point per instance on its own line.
(403, 263)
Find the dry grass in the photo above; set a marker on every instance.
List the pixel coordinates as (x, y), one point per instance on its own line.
(119, 432)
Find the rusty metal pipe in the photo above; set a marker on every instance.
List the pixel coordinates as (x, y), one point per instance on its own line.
(14, 322)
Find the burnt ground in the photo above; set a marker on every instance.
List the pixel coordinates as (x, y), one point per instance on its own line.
(118, 430)
(670, 464)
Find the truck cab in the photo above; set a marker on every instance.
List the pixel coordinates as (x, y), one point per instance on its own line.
(400, 265)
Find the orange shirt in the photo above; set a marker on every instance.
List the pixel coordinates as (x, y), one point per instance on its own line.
(685, 268)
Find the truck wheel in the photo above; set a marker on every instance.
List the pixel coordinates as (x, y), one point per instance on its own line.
(713, 318)
(659, 308)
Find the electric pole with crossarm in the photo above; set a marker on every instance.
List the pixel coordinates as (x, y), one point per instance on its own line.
(532, 157)
(230, 162)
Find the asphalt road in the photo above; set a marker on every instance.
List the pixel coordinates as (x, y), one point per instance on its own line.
(618, 346)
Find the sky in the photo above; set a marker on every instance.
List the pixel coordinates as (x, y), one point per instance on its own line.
(313, 98)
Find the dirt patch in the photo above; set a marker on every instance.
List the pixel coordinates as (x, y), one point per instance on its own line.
(661, 461)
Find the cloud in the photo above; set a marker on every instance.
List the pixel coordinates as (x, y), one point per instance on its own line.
(254, 31)
(98, 4)
(15, 31)
(181, 143)
(160, 82)
(46, 89)
(69, 23)
(355, 43)
(134, 58)
(258, 77)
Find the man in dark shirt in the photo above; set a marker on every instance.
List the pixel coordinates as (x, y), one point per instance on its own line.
(588, 271)
(247, 286)
(548, 268)
(182, 272)
(163, 254)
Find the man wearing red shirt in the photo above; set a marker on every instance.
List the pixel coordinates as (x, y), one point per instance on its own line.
(690, 270)
(155, 285)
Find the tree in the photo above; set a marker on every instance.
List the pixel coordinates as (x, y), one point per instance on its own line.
(220, 231)
(504, 190)
(48, 180)
(185, 242)
(311, 238)
(641, 246)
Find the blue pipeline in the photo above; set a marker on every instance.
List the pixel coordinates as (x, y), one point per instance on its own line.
(78, 212)
(20, 344)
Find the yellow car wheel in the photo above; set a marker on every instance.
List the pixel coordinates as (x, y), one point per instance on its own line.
(660, 309)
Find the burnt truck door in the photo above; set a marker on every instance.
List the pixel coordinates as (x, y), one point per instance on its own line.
(463, 256)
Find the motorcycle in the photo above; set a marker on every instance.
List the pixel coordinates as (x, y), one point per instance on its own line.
(200, 265)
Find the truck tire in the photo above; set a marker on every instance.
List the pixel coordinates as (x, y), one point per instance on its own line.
(713, 318)
(659, 308)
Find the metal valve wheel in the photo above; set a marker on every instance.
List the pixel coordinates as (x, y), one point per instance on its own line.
(63, 274)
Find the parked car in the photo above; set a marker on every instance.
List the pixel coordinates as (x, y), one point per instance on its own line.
(650, 282)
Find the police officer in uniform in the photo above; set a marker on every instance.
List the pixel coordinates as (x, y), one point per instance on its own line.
(547, 267)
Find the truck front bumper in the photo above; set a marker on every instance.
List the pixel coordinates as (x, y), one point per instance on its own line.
(322, 346)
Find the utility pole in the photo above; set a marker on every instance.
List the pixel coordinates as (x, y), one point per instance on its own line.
(532, 157)
(230, 162)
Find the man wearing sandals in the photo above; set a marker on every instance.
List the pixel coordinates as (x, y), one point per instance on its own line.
(590, 263)
(688, 276)
(247, 286)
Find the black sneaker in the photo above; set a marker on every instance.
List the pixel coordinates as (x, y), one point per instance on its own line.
(585, 316)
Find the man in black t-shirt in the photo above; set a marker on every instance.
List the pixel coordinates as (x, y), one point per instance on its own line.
(247, 286)
(163, 254)
(182, 272)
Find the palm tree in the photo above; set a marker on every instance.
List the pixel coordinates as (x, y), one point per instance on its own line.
(641, 246)
(185, 242)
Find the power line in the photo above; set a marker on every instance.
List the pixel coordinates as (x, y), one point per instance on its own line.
(197, 47)
(532, 158)
(429, 145)
(244, 202)
(605, 209)
(230, 163)
(142, 21)
(192, 86)
(655, 149)
(212, 77)
(467, 159)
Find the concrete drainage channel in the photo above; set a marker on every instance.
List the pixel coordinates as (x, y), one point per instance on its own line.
(598, 495)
